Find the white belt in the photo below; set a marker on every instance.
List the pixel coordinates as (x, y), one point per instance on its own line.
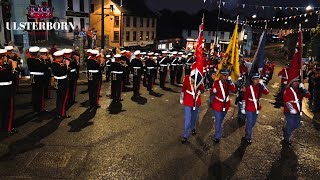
(73, 70)
(173, 64)
(222, 100)
(136, 67)
(37, 73)
(163, 65)
(108, 65)
(189, 92)
(117, 72)
(210, 65)
(188, 64)
(150, 67)
(93, 71)
(250, 99)
(60, 77)
(5, 83)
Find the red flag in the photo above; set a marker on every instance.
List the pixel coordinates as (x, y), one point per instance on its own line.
(197, 69)
(296, 63)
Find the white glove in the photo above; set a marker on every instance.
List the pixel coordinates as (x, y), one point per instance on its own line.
(229, 78)
(301, 85)
(243, 107)
(293, 111)
(181, 98)
(261, 82)
(243, 111)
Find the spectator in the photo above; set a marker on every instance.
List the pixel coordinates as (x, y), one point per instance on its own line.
(94, 38)
(83, 34)
(76, 32)
(89, 37)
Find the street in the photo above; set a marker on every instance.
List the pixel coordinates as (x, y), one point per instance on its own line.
(143, 141)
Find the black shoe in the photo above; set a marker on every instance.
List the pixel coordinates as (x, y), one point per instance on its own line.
(12, 132)
(287, 142)
(184, 140)
(97, 106)
(194, 132)
(249, 141)
(66, 116)
(216, 140)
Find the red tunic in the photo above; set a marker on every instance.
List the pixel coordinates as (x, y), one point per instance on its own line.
(218, 99)
(288, 97)
(248, 96)
(188, 99)
(243, 69)
(284, 74)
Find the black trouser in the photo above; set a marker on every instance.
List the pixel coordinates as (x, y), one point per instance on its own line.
(6, 108)
(47, 84)
(187, 71)
(38, 93)
(15, 83)
(155, 76)
(116, 89)
(179, 75)
(126, 76)
(72, 87)
(93, 87)
(62, 96)
(163, 76)
(136, 85)
(108, 72)
(150, 78)
(173, 73)
(145, 79)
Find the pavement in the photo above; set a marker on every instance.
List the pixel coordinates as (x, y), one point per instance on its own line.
(142, 141)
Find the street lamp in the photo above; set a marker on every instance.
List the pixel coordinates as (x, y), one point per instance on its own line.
(254, 16)
(309, 8)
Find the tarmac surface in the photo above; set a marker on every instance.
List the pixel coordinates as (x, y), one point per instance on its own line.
(142, 141)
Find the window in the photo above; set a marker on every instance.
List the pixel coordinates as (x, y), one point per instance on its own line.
(128, 21)
(147, 35)
(33, 2)
(50, 3)
(116, 36)
(152, 35)
(221, 35)
(189, 32)
(141, 34)
(209, 33)
(81, 23)
(70, 5)
(153, 22)
(111, 8)
(148, 22)
(141, 22)
(81, 5)
(134, 22)
(128, 36)
(116, 21)
(134, 36)
(91, 8)
(70, 20)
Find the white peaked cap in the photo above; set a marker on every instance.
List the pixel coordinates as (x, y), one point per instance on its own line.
(2, 51)
(154, 58)
(123, 51)
(150, 53)
(43, 50)
(58, 53)
(67, 51)
(108, 55)
(94, 51)
(137, 52)
(143, 53)
(156, 54)
(117, 55)
(89, 50)
(164, 52)
(8, 48)
(174, 52)
(180, 53)
(34, 49)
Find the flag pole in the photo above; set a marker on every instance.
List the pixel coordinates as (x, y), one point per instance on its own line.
(300, 50)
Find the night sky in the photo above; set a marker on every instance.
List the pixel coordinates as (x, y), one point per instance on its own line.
(193, 6)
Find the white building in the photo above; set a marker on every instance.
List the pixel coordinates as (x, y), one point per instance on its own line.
(76, 11)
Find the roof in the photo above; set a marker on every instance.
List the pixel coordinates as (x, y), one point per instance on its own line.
(134, 8)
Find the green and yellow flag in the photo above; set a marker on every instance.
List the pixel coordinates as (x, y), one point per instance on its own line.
(230, 60)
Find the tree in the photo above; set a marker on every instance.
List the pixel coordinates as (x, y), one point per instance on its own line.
(315, 43)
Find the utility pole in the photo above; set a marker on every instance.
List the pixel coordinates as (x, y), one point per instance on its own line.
(102, 24)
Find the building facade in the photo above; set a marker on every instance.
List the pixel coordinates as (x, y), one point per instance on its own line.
(75, 11)
(124, 25)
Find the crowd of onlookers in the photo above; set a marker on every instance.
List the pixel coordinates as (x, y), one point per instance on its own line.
(312, 70)
(89, 36)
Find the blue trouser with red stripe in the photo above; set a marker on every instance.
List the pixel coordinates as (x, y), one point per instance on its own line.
(251, 121)
(190, 118)
(293, 122)
(218, 117)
